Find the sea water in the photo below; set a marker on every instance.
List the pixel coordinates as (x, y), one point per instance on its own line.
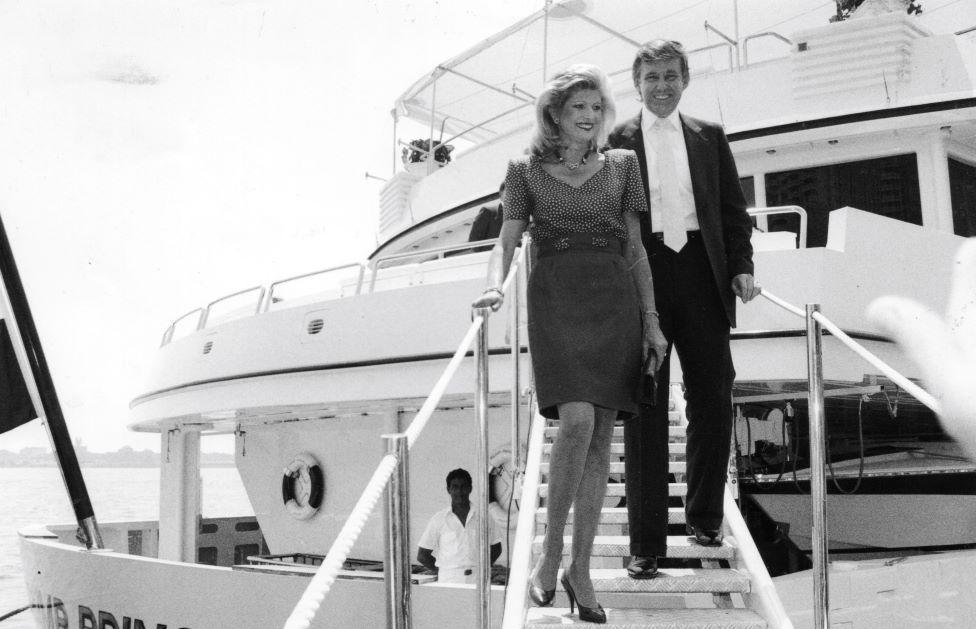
(36, 495)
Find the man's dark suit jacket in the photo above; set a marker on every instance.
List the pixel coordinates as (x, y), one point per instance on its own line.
(721, 208)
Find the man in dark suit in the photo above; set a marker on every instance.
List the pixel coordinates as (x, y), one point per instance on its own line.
(697, 239)
(488, 223)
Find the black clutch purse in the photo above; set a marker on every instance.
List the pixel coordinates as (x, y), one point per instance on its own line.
(647, 389)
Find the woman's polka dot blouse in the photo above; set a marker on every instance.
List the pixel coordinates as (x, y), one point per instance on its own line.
(557, 209)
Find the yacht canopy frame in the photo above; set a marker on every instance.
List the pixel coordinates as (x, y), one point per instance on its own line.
(470, 96)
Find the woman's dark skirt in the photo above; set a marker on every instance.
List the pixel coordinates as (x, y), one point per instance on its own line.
(584, 328)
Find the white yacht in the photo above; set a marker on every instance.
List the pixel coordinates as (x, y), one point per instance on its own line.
(856, 144)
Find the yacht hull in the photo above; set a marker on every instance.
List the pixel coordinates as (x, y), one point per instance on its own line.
(74, 588)
(876, 521)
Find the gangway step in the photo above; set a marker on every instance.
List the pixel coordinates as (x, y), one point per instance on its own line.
(673, 581)
(675, 432)
(651, 618)
(614, 515)
(679, 547)
(674, 417)
(617, 467)
(618, 448)
(618, 489)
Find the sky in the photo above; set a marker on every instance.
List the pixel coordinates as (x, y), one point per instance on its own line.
(156, 155)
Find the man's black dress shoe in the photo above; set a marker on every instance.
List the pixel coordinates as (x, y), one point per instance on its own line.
(705, 537)
(642, 568)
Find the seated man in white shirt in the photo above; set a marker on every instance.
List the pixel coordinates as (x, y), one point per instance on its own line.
(449, 545)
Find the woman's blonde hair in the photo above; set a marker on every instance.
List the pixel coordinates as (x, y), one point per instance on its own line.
(583, 76)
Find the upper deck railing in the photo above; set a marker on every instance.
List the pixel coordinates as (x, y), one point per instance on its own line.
(396, 270)
(347, 280)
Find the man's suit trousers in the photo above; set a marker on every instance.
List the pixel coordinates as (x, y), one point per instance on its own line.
(694, 321)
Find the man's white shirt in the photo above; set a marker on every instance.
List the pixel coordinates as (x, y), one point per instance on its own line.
(455, 545)
(675, 139)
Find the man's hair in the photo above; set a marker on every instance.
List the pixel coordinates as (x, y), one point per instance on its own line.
(582, 76)
(660, 50)
(458, 473)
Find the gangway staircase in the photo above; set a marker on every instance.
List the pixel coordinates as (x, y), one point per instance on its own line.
(711, 587)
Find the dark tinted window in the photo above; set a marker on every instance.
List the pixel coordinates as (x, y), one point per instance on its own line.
(207, 555)
(887, 186)
(962, 183)
(749, 190)
(243, 551)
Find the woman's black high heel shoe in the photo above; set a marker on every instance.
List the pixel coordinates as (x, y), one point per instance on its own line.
(542, 598)
(589, 614)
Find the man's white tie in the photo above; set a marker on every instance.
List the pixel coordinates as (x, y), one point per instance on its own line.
(673, 223)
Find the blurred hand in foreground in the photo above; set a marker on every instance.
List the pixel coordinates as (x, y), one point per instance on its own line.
(943, 347)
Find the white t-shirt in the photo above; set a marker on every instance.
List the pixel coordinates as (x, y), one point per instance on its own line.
(455, 545)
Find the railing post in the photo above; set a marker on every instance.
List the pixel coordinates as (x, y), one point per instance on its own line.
(514, 291)
(396, 568)
(481, 473)
(818, 483)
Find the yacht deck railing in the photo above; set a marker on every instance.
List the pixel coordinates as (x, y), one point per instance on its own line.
(395, 463)
(801, 236)
(264, 299)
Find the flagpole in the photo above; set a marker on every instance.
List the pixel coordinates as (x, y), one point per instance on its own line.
(27, 347)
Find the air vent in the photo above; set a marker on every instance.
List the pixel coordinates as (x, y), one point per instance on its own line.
(315, 326)
(207, 347)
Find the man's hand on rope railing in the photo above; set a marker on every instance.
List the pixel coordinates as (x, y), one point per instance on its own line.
(943, 347)
(745, 287)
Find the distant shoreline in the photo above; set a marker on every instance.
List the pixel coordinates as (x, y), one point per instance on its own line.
(126, 457)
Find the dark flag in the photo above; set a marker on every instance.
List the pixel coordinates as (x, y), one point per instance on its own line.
(15, 403)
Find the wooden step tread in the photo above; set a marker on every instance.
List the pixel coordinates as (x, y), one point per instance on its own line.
(618, 448)
(676, 432)
(651, 618)
(619, 489)
(617, 467)
(615, 515)
(679, 547)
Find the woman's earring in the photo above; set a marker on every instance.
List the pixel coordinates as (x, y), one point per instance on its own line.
(556, 120)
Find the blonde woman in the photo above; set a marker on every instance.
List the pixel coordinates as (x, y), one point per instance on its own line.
(592, 322)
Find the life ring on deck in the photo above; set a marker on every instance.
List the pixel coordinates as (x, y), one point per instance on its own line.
(302, 486)
(501, 488)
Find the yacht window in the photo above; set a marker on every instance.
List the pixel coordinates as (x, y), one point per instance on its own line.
(887, 186)
(962, 185)
(749, 190)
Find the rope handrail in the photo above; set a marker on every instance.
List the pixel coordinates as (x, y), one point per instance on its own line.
(427, 410)
(518, 576)
(762, 591)
(304, 612)
(910, 387)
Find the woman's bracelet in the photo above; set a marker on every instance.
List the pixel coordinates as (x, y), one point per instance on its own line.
(650, 313)
(494, 289)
